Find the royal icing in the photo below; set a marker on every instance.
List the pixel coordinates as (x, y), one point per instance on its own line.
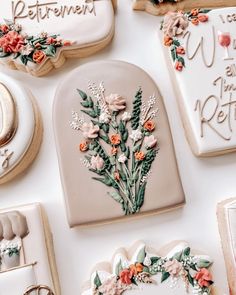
(201, 45)
(113, 136)
(42, 29)
(20, 118)
(177, 272)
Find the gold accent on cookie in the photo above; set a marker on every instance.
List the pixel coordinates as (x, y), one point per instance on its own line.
(39, 289)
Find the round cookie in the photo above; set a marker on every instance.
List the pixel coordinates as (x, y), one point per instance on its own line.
(37, 36)
(20, 129)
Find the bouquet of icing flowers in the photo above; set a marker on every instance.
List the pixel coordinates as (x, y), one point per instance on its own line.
(119, 146)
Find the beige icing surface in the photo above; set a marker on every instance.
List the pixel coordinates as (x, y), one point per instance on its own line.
(87, 201)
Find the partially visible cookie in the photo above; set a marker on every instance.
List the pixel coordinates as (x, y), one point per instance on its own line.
(20, 128)
(159, 7)
(37, 36)
(227, 226)
(26, 250)
(141, 270)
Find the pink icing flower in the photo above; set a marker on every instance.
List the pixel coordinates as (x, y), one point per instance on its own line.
(4, 28)
(175, 23)
(173, 267)
(12, 42)
(180, 50)
(150, 141)
(97, 163)
(112, 286)
(51, 40)
(89, 130)
(204, 278)
(126, 276)
(116, 102)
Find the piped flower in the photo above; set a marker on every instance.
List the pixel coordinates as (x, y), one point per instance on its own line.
(97, 163)
(115, 102)
(90, 131)
(150, 141)
(12, 42)
(126, 276)
(175, 23)
(149, 125)
(115, 139)
(204, 278)
(126, 117)
(136, 135)
(173, 267)
(139, 156)
(122, 158)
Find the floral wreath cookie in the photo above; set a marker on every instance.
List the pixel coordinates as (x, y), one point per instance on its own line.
(113, 136)
(21, 131)
(37, 36)
(140, 270)
(199, 46)
(160, 7)
(26, 268)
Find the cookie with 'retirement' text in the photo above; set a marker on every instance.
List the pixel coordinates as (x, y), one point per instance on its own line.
(114, 145)
(37, 36)
(20, 128)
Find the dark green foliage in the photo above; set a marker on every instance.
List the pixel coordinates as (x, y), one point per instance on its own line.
(147, 162)
(137, 103)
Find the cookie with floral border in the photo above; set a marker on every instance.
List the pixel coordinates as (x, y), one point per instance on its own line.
(37, 36)
(27, 267)
(175, 269)
(160, 7)
(199, 48)
(113, 139)
(226, 213)
(21, 128)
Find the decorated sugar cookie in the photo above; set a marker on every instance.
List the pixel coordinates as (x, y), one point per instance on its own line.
(27, 265)
(200, 49)
(141, 270)
(158, 7)
(20, 128)
(227, 220)
(114, 144)
(37, 36)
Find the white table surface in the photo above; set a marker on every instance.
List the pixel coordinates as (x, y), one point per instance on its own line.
(205, 181)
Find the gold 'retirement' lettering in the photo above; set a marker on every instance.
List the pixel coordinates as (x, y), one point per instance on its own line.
(46, 10)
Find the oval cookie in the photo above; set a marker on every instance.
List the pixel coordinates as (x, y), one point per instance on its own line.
(20, 128)
(114, 144)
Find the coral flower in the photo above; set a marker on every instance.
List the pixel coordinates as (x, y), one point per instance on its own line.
(180, 50)
(67, 43)
(149, 125)
(38, 56)
(114, 151)
(168, 41)
(203, 18)
(195, 21)
(136, 268)
(194, 12)
(179, 66)
(117, 176)
(204, 278)
(139, 156)
(12, 42)
(115, 139)
(126, 276)
(4, 29)
(83, 146)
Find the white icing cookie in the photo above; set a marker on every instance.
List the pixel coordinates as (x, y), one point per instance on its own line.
(113, 138)
(37, 36)
(200, 48)
(20, 130)
(141, 270)
(227, 226)
(27, 259)
(159, 7)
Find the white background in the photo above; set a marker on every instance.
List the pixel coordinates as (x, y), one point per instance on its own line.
(205, 181)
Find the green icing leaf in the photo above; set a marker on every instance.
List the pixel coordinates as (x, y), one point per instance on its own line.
(165, 276)
(141, 255)
(82, 94)
(178, 256)
(50, 50)
(107, 181)
(97, 282)
(154, 259)
(116, 196)
(85, 104)
(203, 263)
(190, 279)
(92, 114)
(118, 268)
(180, 59)
(187, 251)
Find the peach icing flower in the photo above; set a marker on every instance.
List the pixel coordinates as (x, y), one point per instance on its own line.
(112, 286)
(149, 125)
(175, 23)
(195, 21)
(51, 40)
(115, 139)
(194, 12)
(12, 42)
(150, 141)
(204, 278)
(83, 146)
(173, 267)
(139, 156)
(38, 56)
(115, 102)
(136, 268)
(27, 49)
(4, 28)
(203, 18)
(67, 43)
(89, 130)
(168, 41)
(126, 275)
(117, 176)
(179, 66)
(180, 50)
(114, 151)
(97, 163)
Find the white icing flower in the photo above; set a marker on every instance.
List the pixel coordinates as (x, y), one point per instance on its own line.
(136, 135)
(122, 158)
(27, 49)
(150, 141)
(89, 130)
(126, 116)
(17, 27)
(97, 163)
(104, 118)
(116, 102)
(147, 261)
(43, 35)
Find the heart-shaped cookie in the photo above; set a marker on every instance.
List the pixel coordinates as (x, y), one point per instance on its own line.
(114, 144)
(37, 36)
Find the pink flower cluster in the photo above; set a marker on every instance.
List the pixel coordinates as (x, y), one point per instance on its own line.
(12, 42)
